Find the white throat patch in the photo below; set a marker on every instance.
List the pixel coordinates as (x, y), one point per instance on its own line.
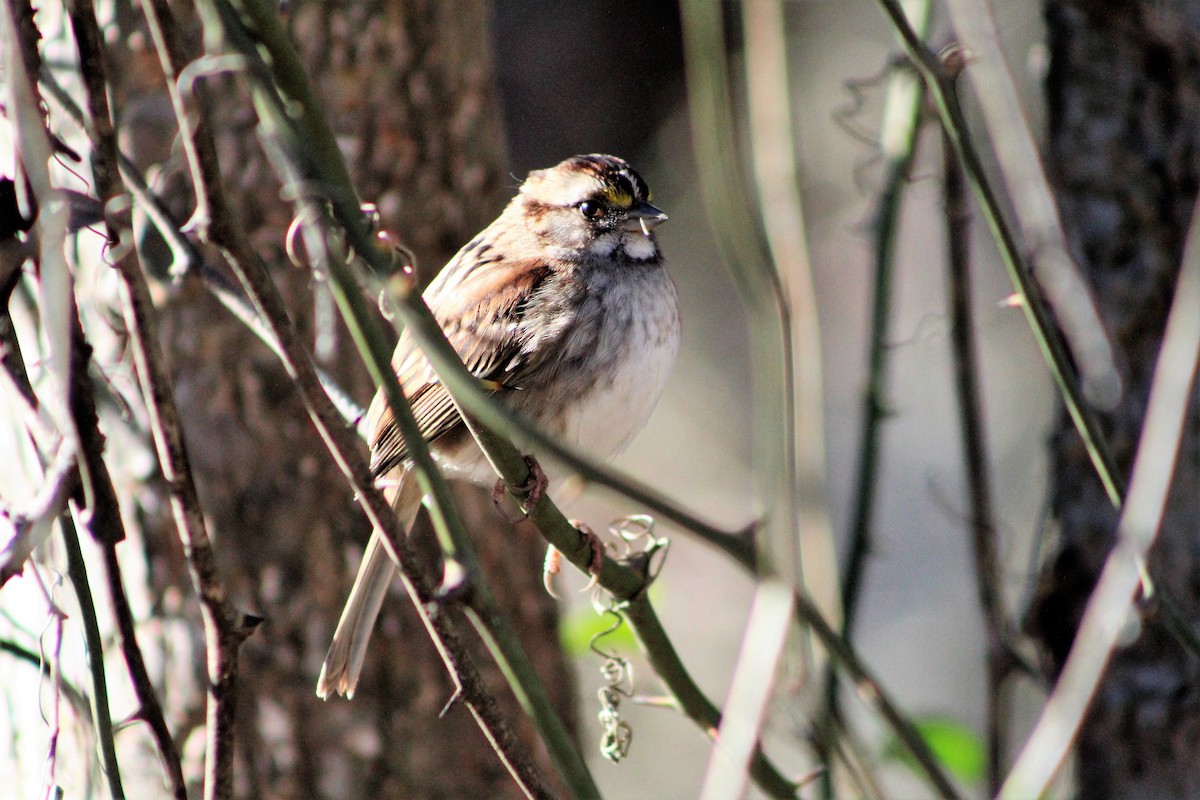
(638, 246)
(605, 244)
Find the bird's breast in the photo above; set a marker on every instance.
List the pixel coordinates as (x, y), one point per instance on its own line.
(618, 363)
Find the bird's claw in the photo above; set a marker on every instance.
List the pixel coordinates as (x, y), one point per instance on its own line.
(531, 491)
(595, 561)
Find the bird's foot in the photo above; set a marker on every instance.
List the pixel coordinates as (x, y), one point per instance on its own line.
(530, 492)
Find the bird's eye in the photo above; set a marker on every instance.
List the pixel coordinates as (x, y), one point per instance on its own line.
(591, 209)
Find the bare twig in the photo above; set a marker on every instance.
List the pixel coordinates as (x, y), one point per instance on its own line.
(872, 693)
(1001, 653)
(1032, 202)
(10, 347)
(690, 699)
(224, 629)
(905, 101)
(150, 710)
(1153, 467)
(31, 524)
(55, 292)
(940, 84)
(750, 692)
(56, 682)
(900, 137)
(75, 698)
(77, 573)
(773, 151)
(740, 239)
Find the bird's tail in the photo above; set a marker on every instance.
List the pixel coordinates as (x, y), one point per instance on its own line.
(344, 661)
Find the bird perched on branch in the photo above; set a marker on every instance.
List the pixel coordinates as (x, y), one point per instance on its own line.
(564, 305)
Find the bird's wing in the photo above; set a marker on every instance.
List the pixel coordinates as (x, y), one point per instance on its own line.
(481, 310)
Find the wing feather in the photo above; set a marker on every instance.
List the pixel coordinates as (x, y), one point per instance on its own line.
(481, 310)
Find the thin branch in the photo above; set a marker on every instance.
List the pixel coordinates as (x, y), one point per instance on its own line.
(902, 135)
(75, 698)
(187, 255)
(224, 629)
(1000, 636)
(150, 709)
(11, 359)
(872, 693)
(1141, 518)
(31, 524)
(55, 658)
(802, 507)
(743, 248)
(940, 84)
(750, 691)
(803, 525)
(77, 573)
(505, 646)
(1033, 204)
(689, 697)
(904, 104)
(98, 495)
(19, 36)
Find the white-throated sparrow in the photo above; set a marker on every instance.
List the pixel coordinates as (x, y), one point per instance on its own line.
(564, 303)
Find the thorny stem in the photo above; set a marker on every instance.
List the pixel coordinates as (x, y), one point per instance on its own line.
(875, 405)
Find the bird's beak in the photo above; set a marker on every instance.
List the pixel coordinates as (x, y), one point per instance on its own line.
(643, 217)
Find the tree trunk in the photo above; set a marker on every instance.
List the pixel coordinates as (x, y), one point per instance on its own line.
(407, 86)
(1124, 105)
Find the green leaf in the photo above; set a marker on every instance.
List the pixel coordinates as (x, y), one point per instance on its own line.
(958, 748)
(577, 630)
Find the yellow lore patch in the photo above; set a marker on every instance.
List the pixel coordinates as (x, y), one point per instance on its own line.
(618, 197)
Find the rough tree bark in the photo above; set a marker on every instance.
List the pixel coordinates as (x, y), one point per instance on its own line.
(408, 89)
(1124, 105)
